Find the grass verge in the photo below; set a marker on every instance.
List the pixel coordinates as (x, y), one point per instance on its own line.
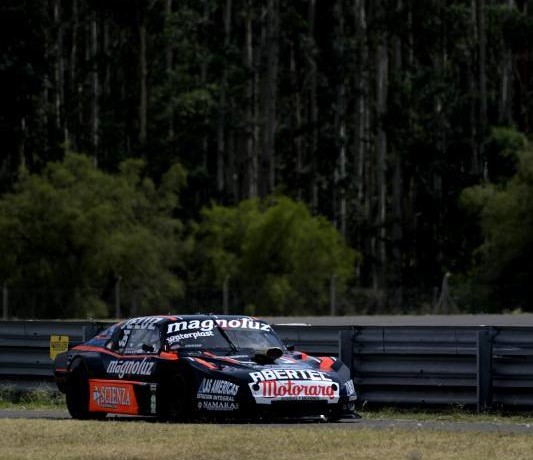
(11, 398)
(68, 439)
(46, 399)
(447, 414)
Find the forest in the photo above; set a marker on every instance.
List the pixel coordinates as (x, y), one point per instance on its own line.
(268, 157)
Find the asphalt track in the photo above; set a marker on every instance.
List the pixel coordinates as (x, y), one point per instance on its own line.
(486, 427)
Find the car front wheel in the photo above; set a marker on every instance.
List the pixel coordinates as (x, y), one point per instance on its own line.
(77, 395)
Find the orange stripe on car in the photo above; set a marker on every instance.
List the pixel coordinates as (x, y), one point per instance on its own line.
(222, 358)
(205, 363)
(169, 356)
(109, 352)
(326, 363)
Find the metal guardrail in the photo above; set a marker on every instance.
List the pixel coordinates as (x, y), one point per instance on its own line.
(473, 366)
(25, 345)
(480, 366)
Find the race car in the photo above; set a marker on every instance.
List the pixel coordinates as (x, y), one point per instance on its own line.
(200, 366)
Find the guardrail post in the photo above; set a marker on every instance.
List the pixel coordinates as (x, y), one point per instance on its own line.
(484, 370)
(346, 348)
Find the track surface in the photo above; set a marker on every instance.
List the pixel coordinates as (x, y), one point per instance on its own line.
(352, 424)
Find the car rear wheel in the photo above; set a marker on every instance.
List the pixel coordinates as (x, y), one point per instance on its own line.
(77, 394)
(176, 398)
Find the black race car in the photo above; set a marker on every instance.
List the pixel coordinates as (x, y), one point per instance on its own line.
(187, 367)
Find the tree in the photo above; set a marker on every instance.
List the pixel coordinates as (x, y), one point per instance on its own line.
(279, 257)
(375, 114)
(76, 231)
(505, 214)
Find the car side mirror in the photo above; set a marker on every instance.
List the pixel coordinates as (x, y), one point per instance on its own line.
(147, 348)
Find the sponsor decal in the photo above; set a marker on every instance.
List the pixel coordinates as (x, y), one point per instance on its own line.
(124, 339)
(350, 390)
(289, 374)
(207, 325)
(108, 396)
(218, 405)
(266, 391)
(218, 387)
(292, 384)
(121, 368)
(142, 323)
(190, 335)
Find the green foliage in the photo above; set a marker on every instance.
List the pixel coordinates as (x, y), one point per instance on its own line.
(505, 213)
(502, 150)
(243, 92)
(276, 254)
(76, 229)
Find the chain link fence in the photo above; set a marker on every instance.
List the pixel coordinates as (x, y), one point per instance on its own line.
(110, 302)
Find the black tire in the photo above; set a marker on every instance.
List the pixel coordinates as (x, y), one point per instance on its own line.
(77, 394)
(176, 400)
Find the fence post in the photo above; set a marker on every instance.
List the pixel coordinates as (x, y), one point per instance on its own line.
(225, 295)
(484, 370)
(332, 295)
(118, 313)
(346, 348)
(5, 302)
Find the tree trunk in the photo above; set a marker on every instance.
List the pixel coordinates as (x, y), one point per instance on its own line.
(381, 166)
(232, 177)
(95, 110)
(203, 82)
(506, 90)
(221, 124)
(482, 84)
(59, 70)
(397, 184)
(362, 121)
(269, 99)
(296, 123)
(22, 144)
(313, 109)
(505, 102)
(340, 123)
(73, 84)
(475, 168)
(440, 136)
(45, 97)
(169, 63)
(251, 157)
(143, 73)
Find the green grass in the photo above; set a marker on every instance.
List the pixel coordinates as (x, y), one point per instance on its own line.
(70, 439)
(447, 414)
(10, 398)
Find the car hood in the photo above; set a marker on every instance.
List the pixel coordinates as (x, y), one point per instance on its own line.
(253, 368)
(291, 377)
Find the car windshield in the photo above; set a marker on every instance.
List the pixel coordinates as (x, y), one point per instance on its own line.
(234, 334)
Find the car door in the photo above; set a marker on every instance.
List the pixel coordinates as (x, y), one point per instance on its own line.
(129, 359)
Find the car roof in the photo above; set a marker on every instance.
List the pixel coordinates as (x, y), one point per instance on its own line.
(199, 317)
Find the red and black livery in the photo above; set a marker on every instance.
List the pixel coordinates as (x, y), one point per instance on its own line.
(186, 367)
